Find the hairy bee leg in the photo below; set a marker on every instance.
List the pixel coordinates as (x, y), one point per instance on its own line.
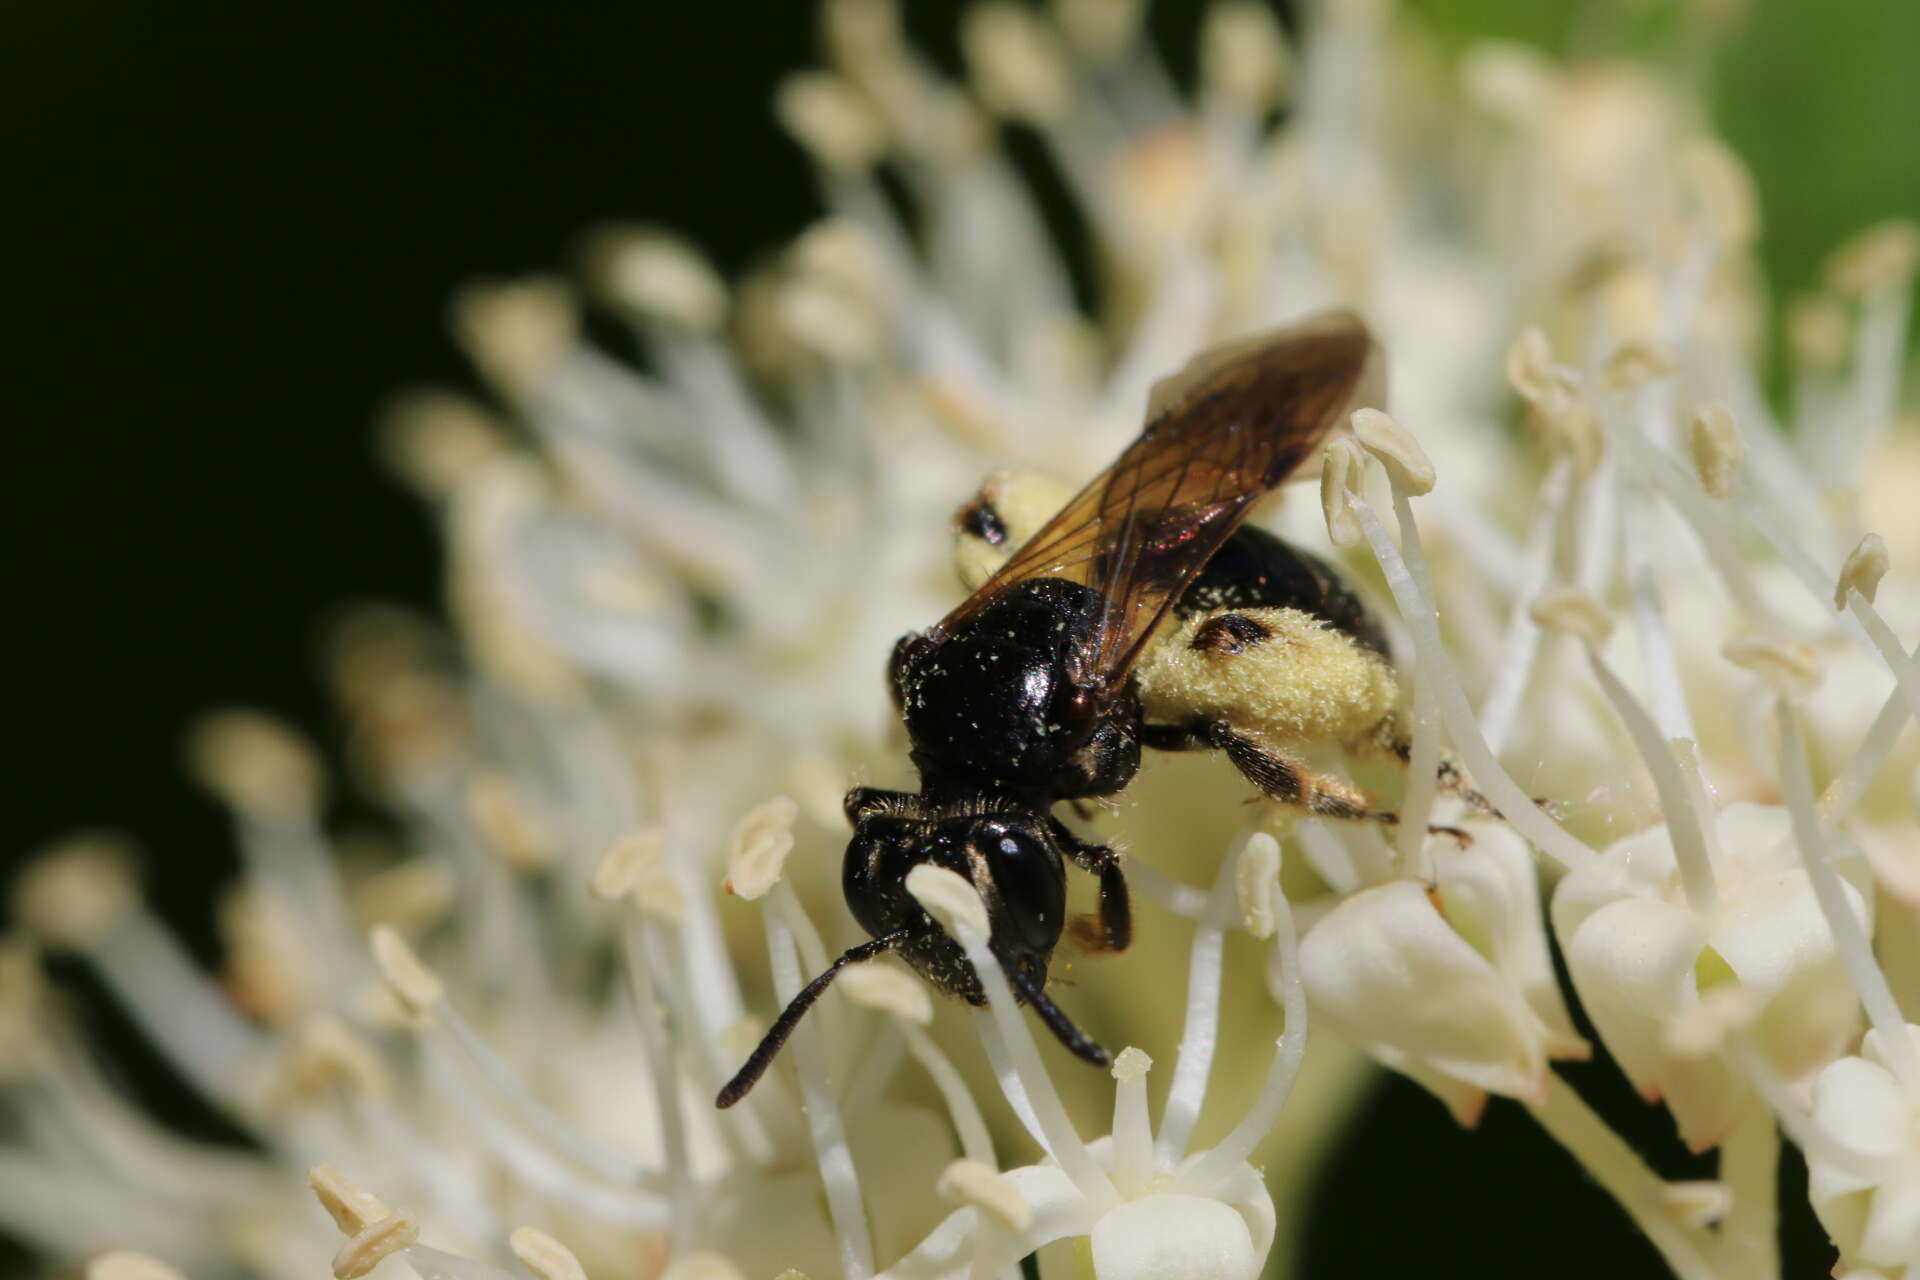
(1116, 900)
(1281, 776)
(1452, 780)
(1460, 834)
(1170, 737)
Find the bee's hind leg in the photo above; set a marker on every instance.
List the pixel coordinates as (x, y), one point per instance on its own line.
(1453, 780)
(1112, 930)
(1279, 775)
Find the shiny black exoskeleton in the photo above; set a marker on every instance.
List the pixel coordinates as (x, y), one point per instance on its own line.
(1025, 695)
(1000, 733)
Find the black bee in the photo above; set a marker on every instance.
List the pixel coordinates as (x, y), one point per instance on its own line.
(1141, 614)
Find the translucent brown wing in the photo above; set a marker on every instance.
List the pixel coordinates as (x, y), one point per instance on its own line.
(1233, 424)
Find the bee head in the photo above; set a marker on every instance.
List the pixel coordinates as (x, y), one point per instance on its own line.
(1008, 857)
(1012, 861)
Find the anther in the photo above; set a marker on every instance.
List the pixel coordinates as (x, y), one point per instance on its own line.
(256, 764)
(761, 842)
(416, 987)
(1716, 447)
(1862, 571)
(1340, 471)
(545, 1256)
(374, 1244)
(1397, 450)
(352, 1207)
(655, 275)
(826, 115)
(1573, 611)
(1790, 667)
(77, 892)
(1016, 62)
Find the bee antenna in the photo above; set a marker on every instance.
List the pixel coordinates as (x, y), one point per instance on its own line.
(762, 1057)
(1084, 1046)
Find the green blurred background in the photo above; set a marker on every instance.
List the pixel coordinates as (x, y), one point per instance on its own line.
(231, 231)
(1822, 99)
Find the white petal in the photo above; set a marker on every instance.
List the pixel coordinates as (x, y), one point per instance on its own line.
(1640, 866)
(1892, 1232)
(1173, 1237)
(1492, 897)
(1632, 963)
(1861, 1107)
(1756, 838)
(1774, 937)
(1387, 967)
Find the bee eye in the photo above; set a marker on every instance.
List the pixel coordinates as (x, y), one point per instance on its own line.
(1031, 882)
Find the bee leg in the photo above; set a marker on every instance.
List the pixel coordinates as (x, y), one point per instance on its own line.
(1171, 737)
(1114, 929)
(867, 802)
(1281, 776)
(1451, 777)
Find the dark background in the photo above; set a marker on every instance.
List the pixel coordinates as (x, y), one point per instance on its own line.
(231, 232)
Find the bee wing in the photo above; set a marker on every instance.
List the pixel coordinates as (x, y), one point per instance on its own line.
(1233, 424)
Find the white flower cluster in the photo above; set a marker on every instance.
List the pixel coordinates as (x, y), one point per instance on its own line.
(675, 588)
